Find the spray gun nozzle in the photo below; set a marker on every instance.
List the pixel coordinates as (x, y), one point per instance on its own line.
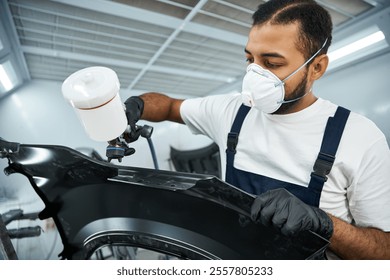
(118, 148)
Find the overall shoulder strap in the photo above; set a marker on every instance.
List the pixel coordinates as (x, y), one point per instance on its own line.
(330, 143)
(232, 138)
(236, 128)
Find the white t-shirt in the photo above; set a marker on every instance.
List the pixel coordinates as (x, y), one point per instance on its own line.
(285, 147)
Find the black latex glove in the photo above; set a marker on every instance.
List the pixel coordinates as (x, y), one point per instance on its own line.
(134, 109)
(281, 209)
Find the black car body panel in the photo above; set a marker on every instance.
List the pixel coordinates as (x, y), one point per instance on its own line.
(190, 216)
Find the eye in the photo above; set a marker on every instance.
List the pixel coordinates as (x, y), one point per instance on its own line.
(249, 60)
(268, 64)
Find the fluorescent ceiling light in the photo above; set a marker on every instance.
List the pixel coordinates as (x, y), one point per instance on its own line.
(357, 46)
(6, 70)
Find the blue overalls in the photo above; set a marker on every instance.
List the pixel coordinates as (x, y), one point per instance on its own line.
(257, 184)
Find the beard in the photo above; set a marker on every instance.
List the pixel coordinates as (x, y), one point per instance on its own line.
(298, 92)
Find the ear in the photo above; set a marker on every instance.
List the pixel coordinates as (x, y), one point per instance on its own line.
(318, 67)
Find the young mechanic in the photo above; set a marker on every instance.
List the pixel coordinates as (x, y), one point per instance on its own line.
(314, 165)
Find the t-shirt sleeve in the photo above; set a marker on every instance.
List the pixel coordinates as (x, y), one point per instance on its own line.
(370, 198)
(211, 116)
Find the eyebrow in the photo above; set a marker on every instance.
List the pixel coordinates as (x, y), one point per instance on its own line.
(270, 54)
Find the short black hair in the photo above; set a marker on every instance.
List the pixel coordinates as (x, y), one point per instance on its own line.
(315, 23)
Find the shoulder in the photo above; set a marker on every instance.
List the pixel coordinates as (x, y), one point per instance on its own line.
(226, 105)
(220, 101)
(358, 127)
(362, 130)
(211, 115)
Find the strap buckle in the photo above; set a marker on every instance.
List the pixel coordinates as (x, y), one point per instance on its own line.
(232, 141)
(323, 165)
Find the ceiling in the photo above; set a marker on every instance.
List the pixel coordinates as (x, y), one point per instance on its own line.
(185, 47)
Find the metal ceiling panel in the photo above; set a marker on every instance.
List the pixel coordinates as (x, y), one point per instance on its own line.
(176, 84)
(174, 46)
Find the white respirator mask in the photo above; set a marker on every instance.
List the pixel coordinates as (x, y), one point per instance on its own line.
(263, 90)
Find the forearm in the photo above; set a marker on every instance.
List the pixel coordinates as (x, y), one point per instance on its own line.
(351, 242)
(159, 107)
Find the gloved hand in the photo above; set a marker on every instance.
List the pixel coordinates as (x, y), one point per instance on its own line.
(134, 109)
(288, 213)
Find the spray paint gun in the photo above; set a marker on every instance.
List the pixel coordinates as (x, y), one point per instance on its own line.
(94, 94)
(118, 148)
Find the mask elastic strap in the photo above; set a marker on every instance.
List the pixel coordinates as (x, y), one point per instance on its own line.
(303, 65)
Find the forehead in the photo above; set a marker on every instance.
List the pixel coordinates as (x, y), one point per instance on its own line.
(272, 38)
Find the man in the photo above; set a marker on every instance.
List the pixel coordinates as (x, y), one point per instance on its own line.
(314, 165)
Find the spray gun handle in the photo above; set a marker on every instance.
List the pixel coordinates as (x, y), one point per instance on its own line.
(131, 135)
